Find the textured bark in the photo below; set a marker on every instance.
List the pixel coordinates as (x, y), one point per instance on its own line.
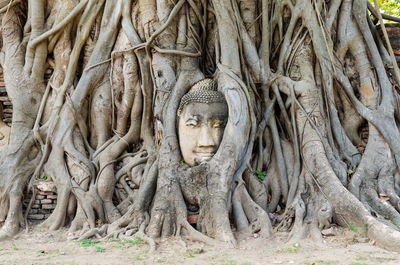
(300, 78)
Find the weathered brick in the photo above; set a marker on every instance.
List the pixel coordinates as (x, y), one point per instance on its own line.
(35, 206)
(52, 196)
(33, 211)
(40, 197)
(193, 219)
(36, 216)
(46, 201)
(48, 206)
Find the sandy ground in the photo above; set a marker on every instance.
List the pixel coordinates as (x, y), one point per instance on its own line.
(39, 247)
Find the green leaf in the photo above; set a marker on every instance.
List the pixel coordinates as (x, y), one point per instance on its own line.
(190, 255)
(44, 178)
(260, 175)
(100, 249)
(389, 7)
(353, 227)
(349, 171)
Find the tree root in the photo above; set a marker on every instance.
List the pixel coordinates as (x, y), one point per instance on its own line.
(246, 209)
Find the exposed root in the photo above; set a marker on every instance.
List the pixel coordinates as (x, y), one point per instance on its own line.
(299, 78)
(258, 219)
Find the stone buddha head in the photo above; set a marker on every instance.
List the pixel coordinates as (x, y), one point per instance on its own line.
(202, 116)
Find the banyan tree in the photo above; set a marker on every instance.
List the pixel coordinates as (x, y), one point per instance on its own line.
(245, 114)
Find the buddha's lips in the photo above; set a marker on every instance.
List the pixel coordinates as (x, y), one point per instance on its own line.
(205, 154)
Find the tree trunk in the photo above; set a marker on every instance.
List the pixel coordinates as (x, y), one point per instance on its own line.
(301, 80)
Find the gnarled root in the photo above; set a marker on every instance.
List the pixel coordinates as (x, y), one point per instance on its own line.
(249, 217)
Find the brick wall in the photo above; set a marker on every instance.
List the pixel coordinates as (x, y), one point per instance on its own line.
(5, 102)
(43, 205)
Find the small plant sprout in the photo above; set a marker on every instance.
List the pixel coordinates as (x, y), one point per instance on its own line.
(260, 175)
(354, 228)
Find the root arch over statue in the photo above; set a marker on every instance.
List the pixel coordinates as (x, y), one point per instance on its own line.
(288, 85)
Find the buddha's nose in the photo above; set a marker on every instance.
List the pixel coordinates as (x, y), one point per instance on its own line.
(206, 139)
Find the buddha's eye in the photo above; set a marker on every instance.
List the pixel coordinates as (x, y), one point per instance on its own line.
(192, 123)
(218, 124)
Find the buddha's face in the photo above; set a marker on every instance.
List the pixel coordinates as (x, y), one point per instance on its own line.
(200, 129)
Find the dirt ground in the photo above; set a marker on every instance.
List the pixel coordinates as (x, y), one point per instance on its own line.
(346, 247)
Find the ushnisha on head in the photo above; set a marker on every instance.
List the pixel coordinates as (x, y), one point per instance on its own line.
(202, 116)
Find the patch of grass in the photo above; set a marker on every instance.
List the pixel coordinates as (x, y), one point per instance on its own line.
(88, 243)
(137, 241)
(15, 247)
(382, 259)
(327, 262)
(374, 259)
(161, 260)
(140, 257)
(100, 249)
(359, 257)
(292, 249)
(230, 262)
(124, 244)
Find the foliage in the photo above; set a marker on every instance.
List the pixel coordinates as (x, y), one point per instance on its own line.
(389, 7)
(260, 175)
